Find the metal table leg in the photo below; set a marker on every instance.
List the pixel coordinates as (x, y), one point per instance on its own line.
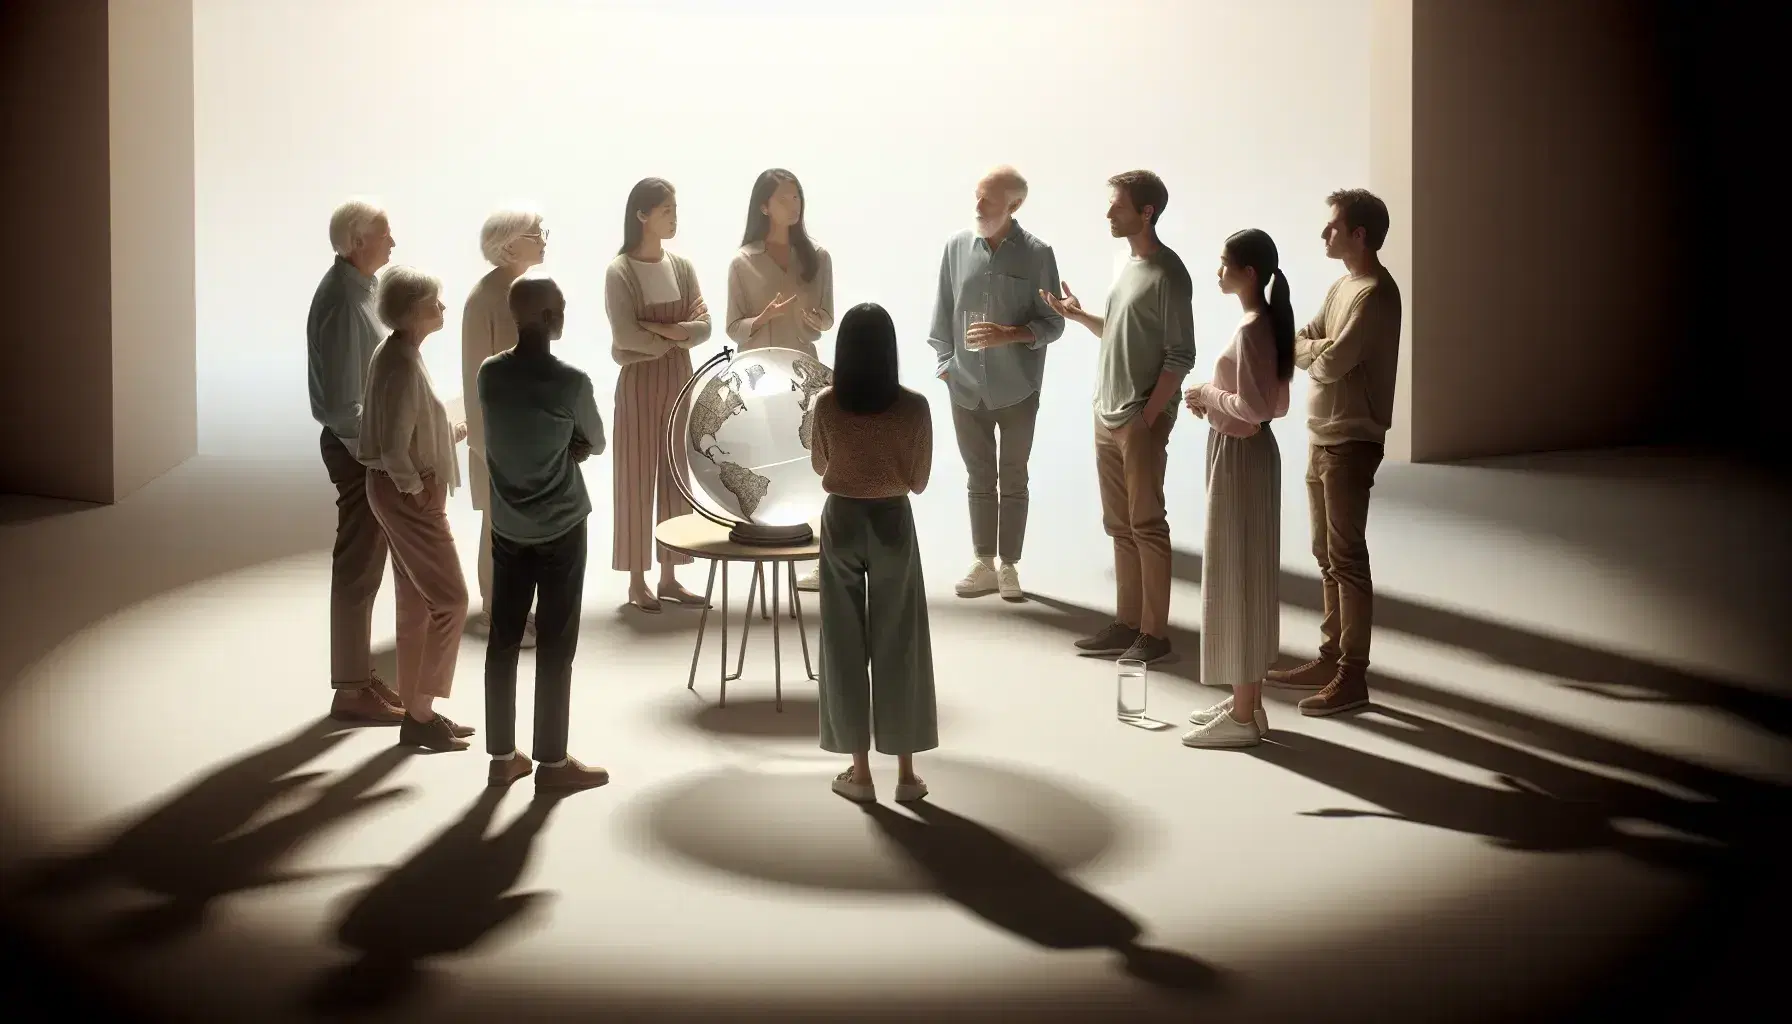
(777, 652)
(703, 626)
(802, 628)
(722, 668)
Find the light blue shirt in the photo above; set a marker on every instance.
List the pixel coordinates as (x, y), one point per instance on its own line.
(535, 407)
(1003, 284)
(341, 332)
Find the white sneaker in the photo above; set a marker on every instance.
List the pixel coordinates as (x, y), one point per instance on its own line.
(1224, 707)
(1008, 583)
(858, 792)
(810, 582)
(979, 581)
(908, 792)
(1223, 732)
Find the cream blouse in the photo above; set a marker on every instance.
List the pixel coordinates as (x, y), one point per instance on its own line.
(754, 279)
(405, 431)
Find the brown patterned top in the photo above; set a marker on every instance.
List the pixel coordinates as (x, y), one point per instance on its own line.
(883, 455)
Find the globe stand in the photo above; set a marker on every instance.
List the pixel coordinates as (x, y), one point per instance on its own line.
(760, 535)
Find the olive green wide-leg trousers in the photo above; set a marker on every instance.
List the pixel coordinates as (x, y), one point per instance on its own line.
(876, 652)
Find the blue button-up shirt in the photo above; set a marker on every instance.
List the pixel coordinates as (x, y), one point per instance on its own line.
(1003, 284)
(341, 333)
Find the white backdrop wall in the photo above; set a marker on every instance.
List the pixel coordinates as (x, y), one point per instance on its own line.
(888, 113)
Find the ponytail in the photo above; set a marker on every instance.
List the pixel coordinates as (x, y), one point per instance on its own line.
(1253, 248)
(1281, 317)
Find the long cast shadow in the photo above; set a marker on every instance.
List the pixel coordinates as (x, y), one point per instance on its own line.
(252, 859)
(1517, 816)
(159, 844)
(1009, 887)
(446, 898)
(1608, 674)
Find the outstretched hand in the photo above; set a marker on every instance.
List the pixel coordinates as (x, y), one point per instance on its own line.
(1067, 305)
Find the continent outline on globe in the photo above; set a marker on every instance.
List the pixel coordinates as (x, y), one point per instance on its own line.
(727, 394)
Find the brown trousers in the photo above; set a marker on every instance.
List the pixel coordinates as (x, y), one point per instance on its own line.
(1339, 477)
(644, 396)
(432, 590)
(1129, 464)
(357, 567)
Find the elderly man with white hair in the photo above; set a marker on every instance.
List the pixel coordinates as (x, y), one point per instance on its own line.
(990, 329)
(512, 240)
(341, 333)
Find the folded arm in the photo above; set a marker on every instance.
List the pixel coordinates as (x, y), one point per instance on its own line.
(588, 424)
(1363, 329)
(626, 333)
(696, 325)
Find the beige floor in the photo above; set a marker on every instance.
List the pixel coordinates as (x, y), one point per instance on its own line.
(1582, 719)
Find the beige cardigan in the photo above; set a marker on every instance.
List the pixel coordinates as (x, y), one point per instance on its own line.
(404, 427)
(629, 342)
(486, 329)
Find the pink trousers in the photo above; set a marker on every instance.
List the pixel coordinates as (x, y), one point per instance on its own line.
(432, 590)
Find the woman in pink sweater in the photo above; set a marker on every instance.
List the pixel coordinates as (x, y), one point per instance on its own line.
(1242, 561)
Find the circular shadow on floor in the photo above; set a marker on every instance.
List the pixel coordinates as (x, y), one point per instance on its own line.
(756, 716)
(788, 827)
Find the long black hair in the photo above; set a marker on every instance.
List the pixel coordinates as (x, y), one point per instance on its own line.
(1255, 249)
(759, 223)
(866, 380)
(647, 194)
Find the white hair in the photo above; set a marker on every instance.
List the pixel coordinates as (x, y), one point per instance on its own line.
(350, 222)
(1010, 181)
(502, 229)
(402, 290)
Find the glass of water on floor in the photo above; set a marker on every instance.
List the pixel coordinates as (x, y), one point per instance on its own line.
(1130, 693)
(972, 316)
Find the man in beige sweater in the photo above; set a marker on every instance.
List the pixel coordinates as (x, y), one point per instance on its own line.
(1349, 351)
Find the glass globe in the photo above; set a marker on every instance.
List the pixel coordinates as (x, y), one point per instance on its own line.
(747, 436)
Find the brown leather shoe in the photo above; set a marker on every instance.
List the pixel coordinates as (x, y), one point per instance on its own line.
(459, 730)
(385, 693)
(1314, 675)
(431, 735)
(503, 773)
(1348, 691)
(570, 776)
(363, 707)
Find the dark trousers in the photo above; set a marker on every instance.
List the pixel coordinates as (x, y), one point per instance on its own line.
(551, 576)
(357, 567)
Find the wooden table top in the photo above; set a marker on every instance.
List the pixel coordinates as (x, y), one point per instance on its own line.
(696, 536)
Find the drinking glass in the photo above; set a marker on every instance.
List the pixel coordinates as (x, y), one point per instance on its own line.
(971, 316)
(1129, 698)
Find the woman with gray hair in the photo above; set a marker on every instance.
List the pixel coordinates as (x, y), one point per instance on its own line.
(408, 446)
(512, 241)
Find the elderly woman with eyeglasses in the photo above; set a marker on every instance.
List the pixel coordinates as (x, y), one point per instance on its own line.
(512, 241)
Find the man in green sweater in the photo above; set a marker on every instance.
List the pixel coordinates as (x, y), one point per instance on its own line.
(541, 421)
(1350, 352)
(1147, 346)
